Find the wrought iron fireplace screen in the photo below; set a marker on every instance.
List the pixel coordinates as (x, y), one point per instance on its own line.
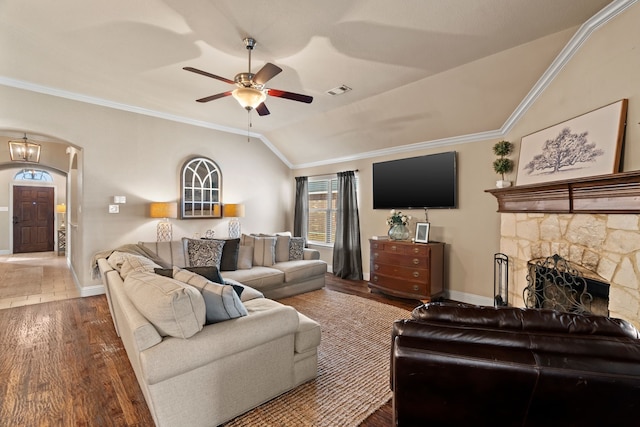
(555, 283)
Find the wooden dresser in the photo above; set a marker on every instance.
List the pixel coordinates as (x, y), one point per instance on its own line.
(405, 269)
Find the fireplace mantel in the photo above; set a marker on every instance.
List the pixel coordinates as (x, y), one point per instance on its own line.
(606, 194)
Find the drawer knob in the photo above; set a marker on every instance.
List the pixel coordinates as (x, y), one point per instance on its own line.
(416, 287)
(375, 246)
(375, 278)
(394, 248)
(375, 266)
(416, 250)
(375, 254)
(416, 274)
(416, 261)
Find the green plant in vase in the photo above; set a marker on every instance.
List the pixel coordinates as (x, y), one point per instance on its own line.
(503, 164)
(397, 223)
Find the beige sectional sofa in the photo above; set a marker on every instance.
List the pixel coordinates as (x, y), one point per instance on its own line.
(264, 264)
(196, 373)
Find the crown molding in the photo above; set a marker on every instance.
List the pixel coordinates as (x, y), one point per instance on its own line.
(596, 21)
(609, 12)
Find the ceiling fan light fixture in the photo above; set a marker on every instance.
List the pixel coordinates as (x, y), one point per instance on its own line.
(249, 97)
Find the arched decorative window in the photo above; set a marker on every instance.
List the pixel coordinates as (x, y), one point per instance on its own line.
(201, 189)
(33, 175)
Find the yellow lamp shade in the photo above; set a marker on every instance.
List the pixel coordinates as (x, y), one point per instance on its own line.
(234, 210)
(61, 208)
(163, 210)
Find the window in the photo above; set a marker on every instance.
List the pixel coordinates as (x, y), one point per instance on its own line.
(201, 187)
(323, 196)
(33, 175)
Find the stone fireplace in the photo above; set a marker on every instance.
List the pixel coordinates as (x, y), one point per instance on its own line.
(591, 223)
(608, 245)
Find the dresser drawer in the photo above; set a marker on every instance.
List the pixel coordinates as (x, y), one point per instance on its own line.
(407, 273)
(403, 248)
(416, 261)
(400, 286)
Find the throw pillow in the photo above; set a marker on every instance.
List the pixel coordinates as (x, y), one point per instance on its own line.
(247, 293)
(264, 251)
(296, 248)
(203, 253)
(282, 248)
(229, 260)
(210, 273)
(222, 301)
(245, 257)
(172, 307)
(136, 263)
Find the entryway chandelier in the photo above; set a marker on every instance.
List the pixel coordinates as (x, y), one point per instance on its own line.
(24, 151)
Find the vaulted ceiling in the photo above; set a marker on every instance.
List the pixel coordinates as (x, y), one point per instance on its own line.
(420, 70)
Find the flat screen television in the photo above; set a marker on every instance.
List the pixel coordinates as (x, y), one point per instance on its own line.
(415, 183)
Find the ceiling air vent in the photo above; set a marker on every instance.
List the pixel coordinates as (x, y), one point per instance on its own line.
(339, 90)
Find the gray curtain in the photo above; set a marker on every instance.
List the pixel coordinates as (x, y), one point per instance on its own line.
(347, 254)
(301, 212)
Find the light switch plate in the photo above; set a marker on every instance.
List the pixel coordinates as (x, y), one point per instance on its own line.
(114, 209)
(119, 199)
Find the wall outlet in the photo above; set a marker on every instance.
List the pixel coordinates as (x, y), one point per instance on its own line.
(119, 199)
(114, 209)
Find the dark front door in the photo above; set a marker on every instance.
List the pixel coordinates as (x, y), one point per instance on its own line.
(33, 219)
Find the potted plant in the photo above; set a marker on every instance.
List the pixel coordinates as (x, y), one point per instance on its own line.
(503, 164)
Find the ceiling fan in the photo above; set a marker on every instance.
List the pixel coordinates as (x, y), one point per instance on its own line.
(250, 91)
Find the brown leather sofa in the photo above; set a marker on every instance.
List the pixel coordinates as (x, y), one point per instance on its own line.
(460, 365)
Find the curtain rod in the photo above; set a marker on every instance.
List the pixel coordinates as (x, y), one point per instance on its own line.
(325, 174)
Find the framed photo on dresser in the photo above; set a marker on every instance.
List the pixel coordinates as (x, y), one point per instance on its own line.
(422, 232)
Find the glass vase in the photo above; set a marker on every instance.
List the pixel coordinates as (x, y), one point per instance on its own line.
(399, 232)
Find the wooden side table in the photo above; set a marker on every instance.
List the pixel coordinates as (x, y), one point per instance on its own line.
(62, 241)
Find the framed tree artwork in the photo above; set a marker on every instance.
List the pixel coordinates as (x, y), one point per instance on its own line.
(587, 145)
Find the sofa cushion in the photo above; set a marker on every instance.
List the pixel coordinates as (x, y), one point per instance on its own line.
(308, 334)
(264, 251)
(136, 263)
(299, 270)
(296, 248)
(221, 301)
(258, 277)
(282, 248)
(245, 257)
(209, 272)
(230, 251)
(202, 253)
(248, 293)
(172, 307)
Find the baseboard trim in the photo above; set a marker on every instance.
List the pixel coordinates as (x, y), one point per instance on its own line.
(468, 298)
(90, 291)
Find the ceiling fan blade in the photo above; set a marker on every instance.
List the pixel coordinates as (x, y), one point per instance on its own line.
(290, 95)
(212, 97)
(266, 73)
(262, 109)
(204, 73)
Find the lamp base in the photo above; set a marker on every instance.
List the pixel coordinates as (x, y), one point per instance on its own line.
(234, 228)
(164, 231)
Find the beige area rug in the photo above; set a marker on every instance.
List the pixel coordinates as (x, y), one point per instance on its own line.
(21, 281)
(353, 365)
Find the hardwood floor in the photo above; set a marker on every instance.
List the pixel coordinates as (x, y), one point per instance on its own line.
(62, 364)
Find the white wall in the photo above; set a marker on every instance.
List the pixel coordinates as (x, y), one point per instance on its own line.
(604, 70)
(140, 157)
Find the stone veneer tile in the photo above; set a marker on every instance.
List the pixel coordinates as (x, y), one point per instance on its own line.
(626, 276)
(528, 230)
(623, 222)
(622, 242)
(586, 230)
